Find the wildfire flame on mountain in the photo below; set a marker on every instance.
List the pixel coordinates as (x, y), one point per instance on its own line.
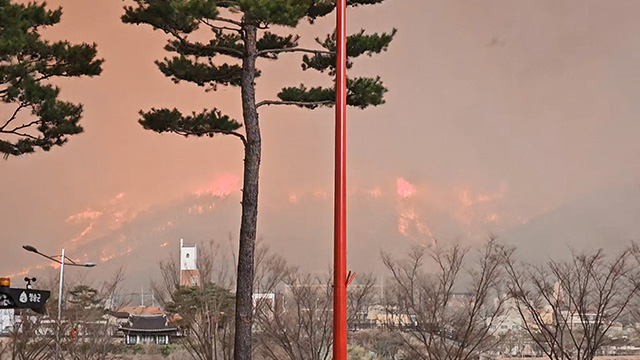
(405, 189)
(421, 210)
(220, 187)
(111, 215)
(410, 223)
(25, 271)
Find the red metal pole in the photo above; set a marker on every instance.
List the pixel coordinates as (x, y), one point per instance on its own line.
(340, 204)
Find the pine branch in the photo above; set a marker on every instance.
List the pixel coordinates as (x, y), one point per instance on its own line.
(230, 21)
(182, 68)
(357, 44)
(321, 8)
(23, 126)
(206, 123)
(13, 116)
(306, 104)
(23, 135)
(227, 4)
(197, 49)
(206, 22)
(296, 49)
(209, 132)
(362, 92)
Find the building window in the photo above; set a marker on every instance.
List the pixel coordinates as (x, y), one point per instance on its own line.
(162, 340)
(147, 339)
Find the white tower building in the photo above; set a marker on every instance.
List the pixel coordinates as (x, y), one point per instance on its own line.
(189, 274)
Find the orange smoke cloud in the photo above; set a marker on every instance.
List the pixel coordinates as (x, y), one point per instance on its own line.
(475, 211)
(200, 209)
(405, 189)
(83, 233)
(320, 194)
(107, 256)
(296, 196)
(468, 200)
(410, 224)
(375, 192)
(85, 215)
(24, 272)
(99, 220)
(167, 225)
(221, 186)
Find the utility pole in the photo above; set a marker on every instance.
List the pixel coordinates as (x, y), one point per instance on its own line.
(340, 205)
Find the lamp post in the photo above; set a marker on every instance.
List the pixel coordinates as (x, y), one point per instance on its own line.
(62, 260)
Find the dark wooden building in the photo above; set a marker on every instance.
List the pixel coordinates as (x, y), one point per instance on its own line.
(148, 330)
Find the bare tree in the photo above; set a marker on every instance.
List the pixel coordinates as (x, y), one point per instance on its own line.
(436, 321)
(567, 307)
(271, 271)
(83, 323)
(31, 338)
(385, 344)
(4, 348)
(294, 310)
(361, 295)
(297, 326)
(89, 328)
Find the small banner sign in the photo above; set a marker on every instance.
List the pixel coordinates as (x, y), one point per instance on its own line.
(12, 298)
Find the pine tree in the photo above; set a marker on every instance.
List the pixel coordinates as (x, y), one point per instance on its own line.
(241, 32)
(27, 64)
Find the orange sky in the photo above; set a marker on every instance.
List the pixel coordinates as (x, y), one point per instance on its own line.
(498, 111)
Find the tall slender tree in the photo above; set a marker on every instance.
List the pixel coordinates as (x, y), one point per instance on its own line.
(27, 65)
(239, 33)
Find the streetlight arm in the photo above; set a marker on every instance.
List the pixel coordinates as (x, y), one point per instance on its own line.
(67, 261)
(71, 261)
(49, 257)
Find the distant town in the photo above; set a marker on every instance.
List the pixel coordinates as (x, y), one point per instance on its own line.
(433, 301)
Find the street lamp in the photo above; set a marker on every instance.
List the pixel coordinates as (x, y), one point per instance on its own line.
(62, 260)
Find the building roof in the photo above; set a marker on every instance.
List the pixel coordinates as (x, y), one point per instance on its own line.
(142, 310)
(148, 324)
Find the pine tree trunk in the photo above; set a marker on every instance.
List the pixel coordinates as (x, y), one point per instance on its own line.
(244, 288)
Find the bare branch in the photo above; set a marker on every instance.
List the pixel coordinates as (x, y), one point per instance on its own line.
(436, 322)
(21, 106)
(567, 307)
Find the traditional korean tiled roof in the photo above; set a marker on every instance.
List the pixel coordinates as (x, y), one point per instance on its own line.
(147, 324)
(142, 310)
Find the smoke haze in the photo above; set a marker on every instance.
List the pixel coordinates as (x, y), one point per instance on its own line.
(515, 118)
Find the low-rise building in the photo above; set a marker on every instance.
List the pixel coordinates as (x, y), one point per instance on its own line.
(153, 329)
